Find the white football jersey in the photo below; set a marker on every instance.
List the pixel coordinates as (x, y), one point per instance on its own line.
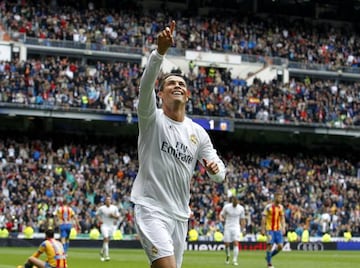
(104, 213)
(168, 152)
(233, 215)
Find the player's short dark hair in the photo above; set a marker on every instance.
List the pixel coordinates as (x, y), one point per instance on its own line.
(167, 75)
(49, 233)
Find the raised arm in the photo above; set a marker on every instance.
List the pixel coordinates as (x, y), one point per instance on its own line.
(147, 99)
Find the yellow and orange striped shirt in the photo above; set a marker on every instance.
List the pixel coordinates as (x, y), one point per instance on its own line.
(65, 214)
(55, 254)
(273, 215)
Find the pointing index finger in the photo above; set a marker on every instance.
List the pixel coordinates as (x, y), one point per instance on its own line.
(172, 26)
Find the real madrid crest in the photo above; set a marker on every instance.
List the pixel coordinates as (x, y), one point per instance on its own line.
(193, 139)
(154, 250)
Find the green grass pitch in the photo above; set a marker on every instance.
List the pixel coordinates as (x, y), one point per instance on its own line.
(128, 258)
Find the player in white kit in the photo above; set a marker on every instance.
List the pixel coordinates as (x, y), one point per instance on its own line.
(170, 145)
(108, 214)
(234, 216)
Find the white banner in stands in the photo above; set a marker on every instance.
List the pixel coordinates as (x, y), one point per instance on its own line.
(5, 52)
(212, 57)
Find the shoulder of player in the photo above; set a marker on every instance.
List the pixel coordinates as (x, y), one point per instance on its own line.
(196, 129)
(194, 125)
(45, 243)
(268, 206)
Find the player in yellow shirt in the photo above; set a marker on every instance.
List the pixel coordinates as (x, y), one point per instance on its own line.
(273, 225)
(54, 250)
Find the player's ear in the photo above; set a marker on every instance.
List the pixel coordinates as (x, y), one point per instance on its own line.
(160, 95)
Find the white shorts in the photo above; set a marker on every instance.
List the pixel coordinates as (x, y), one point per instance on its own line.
(232, 234)
(107, 230)
(159, 235)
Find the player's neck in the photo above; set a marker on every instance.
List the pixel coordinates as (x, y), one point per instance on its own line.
(175, 114)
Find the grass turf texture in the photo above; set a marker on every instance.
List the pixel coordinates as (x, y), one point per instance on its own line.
(127, 258)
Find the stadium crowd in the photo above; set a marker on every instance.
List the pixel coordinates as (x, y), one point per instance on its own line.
(36, 175)
(299, 40)
(113, 87)
(58, 82)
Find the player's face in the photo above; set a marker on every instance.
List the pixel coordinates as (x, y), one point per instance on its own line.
(174, 90)
(234, 201)
(278, 198)
(108, 201)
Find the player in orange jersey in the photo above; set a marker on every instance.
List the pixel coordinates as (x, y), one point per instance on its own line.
(66, 217)
(273, 225)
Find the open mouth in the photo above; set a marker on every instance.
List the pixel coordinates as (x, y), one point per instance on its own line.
(178, 93)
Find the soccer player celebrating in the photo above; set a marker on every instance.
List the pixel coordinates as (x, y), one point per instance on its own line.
(66, 218)
(273, 225)
(234, 216)
(54, 250)
(108, 214)
(169, 147)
